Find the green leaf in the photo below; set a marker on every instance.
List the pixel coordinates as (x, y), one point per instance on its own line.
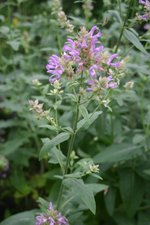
(122, 219)
(84, 193)
(132, 189)
(24, 218)
(114, 13)
(21, 1)
(49, 127)
(13, 106)
(117, 152)
(84, 112)
(8, 123)
(133, 38)
(87, 122)
(147, 171)
(109, 199)
(14, 44)
(13, 145)
(96, 188)
(43, 204)
(49, 144)
(18, 181)
(138, 138)
(57, 157)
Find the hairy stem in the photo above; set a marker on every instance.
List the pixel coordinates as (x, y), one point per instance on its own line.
(70, 148)
(124, 24)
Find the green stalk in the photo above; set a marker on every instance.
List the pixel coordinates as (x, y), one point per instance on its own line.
(119, 2)
(124, 24)
(70, 148)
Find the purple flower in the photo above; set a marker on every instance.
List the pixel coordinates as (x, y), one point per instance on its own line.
(82, 50)
(71, 52)
(110, 61)
(55, 68)
(111, 83)
(143, 17)
(91, 85)
(50, 206)
(51, 221)
(145, 2)
(99, 49)
(142, 2)
(41, 219)
(147, 26)
(146, 15)
(83, 54)
(93, 30)
(51, 217)
(92, 71)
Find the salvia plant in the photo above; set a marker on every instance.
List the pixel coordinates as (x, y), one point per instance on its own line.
(84, 77)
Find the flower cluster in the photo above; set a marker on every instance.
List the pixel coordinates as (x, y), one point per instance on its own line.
(85, 55)
(64, 22)
(146, 15)
(38, 108)
(87, 7)
(51, 217)
(61, 17)
(94, 168)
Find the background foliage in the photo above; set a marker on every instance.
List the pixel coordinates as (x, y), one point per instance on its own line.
(119, 140)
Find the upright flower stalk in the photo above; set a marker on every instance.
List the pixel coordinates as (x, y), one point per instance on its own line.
(124, 25)
(84, 58)
(83, 65)
(70, 148)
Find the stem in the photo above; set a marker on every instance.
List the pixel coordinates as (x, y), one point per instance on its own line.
(120, 7)
(58, 40)
(56, 117)
(71, 142)
(123, 26)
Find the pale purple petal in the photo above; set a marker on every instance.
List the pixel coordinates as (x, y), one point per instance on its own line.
(142, 2)
(93, 30)
(50, 206)
(143, 17)
(92, 71)
(53, 78)
(112, 85)
(40, 219)
(147, 26)
(111, 58)
(99, 49)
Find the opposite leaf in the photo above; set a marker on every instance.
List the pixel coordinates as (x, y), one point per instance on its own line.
(50, 143)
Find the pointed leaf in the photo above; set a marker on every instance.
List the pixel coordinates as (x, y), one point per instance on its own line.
(24, 218)
(117, 152)
(57, 157)
(91, 118)
(49, 144)
(133, 38)
(84, 193)
(131, 189)
(109, 199)
(84, 112)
